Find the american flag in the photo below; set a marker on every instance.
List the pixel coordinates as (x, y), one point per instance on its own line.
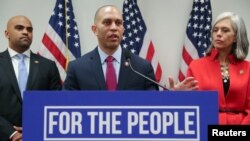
(61, 42)
(136, 37)
(198, 33)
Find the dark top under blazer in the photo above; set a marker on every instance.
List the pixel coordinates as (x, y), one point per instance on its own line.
(43, 75)
(86, 73)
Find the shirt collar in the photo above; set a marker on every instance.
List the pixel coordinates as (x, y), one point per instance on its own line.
(117, 55)
(13, 53)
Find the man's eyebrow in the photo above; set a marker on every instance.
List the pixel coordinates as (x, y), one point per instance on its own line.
(21, 26)
(18, 25)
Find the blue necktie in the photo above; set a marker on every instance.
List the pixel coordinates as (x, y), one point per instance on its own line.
(22, 73)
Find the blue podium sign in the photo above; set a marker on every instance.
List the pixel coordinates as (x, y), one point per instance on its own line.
(118, 116)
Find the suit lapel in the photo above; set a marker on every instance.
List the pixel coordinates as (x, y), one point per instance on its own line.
(97, 69)
(10, 73)
(123, 75)
(34, 70)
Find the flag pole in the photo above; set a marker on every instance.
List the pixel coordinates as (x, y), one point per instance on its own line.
(66, 36)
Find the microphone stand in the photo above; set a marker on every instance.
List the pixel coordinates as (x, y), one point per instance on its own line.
(144, 76)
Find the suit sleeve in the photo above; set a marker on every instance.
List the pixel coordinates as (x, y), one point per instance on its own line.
(70, 82)
(6, 129)
(55, 80)
(246, 119)
(150, 85)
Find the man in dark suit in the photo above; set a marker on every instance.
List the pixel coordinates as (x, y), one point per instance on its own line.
(90, 71)
(86, 73)
(42, 74)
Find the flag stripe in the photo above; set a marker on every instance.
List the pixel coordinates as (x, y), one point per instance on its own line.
(61, 42)
(150, 52)
(158, 73)
(54, 50)
(136, 36)
(181, 76)
(198, 37)
(186, 57)
(47, 54)
(57, 40)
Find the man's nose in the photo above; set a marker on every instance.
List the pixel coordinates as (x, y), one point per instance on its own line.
(113, 25)
(25, 31)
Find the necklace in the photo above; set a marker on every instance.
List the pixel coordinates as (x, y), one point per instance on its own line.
(224, 72)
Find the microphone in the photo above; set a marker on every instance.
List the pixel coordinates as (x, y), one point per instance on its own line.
(128, 64)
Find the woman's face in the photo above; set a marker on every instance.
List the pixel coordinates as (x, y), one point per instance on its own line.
(223, 35)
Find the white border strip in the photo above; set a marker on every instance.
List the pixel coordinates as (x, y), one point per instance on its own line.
(121, 107)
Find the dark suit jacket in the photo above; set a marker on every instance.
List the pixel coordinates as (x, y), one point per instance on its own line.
(43, 75)
(86, 73)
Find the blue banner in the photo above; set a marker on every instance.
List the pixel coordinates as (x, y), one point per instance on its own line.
(118, 116)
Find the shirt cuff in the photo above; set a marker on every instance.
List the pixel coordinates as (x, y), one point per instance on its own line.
(12, 134)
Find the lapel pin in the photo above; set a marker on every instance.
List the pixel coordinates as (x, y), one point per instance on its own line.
(241, 71)
(36, 61)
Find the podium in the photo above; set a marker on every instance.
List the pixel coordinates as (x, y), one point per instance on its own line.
(118, 115)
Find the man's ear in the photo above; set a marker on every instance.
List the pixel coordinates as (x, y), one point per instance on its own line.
(93, 27)
(6, 33)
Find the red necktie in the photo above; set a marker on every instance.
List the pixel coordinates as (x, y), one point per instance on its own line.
(111, 82)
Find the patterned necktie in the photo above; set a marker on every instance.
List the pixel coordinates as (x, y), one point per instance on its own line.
(22, 73)
(111, 82)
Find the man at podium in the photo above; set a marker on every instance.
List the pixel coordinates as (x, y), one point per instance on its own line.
(109, 66)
